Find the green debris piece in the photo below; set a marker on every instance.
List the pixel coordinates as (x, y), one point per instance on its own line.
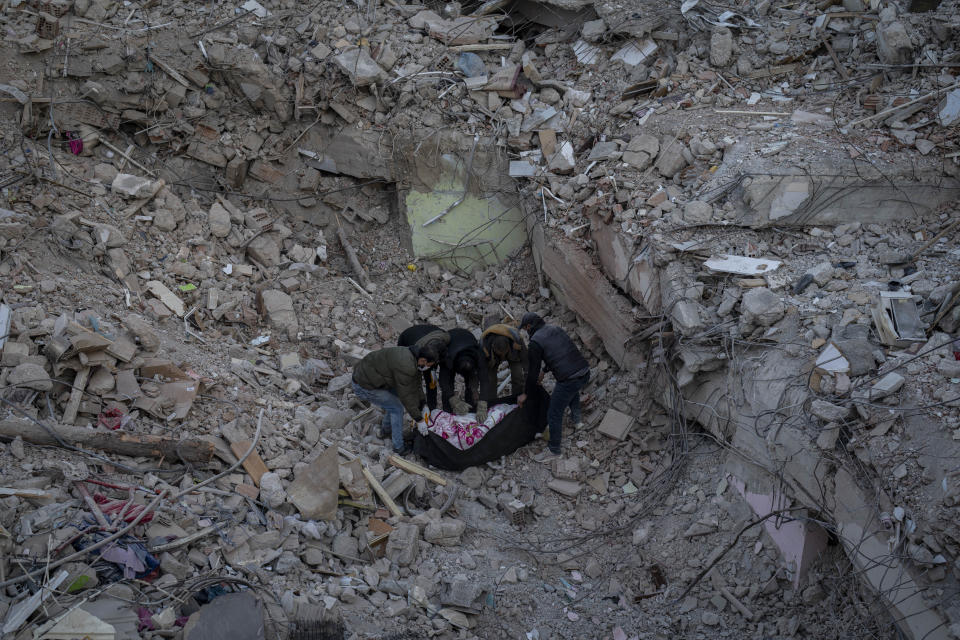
(79, 584)
(187, 287)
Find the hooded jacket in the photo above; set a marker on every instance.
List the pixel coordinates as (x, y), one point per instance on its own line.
(420, 335)
(462, 343)
(517, 349)
(393, 368)
(552, 346)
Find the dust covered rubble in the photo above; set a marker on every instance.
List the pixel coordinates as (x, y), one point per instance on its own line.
(229, 270)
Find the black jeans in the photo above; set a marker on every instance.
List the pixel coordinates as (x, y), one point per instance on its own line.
(565, 394)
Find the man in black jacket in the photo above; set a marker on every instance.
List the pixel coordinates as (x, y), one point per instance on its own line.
(421, 335)
(464, 358)
(551, 346)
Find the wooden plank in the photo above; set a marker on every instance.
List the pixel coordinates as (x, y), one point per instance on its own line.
(381, 492)
(35, 494)
(497, 46)
(254, 464)
(772, 71)
(120, 442)
(76, 395)
(413, 467)
(170, 71)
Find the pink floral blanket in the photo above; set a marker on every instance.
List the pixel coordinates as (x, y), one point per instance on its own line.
(464, 431)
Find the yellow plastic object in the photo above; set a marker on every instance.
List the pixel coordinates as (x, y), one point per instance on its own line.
(411, 267)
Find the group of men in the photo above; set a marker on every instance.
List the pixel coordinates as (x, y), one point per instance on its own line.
(403, 378)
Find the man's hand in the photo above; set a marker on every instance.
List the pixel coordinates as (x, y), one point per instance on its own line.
(482, 411)
(521, 399)
(459, 406)
(540, 379)
(422, 428)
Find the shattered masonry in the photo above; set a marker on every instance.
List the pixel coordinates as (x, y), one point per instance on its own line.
(745, 213)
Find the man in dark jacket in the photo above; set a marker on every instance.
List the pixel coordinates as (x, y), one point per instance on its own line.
(390, 379)
(463, 358)
(420, 335)
(551, 346)
(502, 343)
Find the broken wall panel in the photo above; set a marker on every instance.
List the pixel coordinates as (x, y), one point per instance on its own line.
(584, 289)
(848, 193)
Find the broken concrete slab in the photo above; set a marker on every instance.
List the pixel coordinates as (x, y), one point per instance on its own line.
(278, 308)
(314, 490)
(232, 616)
(568, 488)
(360, 67)
(761, 306)
(615, 425)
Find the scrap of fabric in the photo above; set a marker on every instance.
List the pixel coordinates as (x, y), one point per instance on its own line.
(464, 431)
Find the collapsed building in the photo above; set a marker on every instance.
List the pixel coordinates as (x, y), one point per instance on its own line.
(745, 212)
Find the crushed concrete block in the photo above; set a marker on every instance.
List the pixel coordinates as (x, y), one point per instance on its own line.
(278, 307)
(133, 186)
(142, 331)
(169, 564)
(593, 30)
(949, 368)
(218, 220)
(721, 47)
(672, 159)
(697, 212)
(821, 273)
(360, 67)
(314, 490)
(948, 112)
(827, 440)
(101, 382)
(28, 375)
(641, 151)
(602, 151)
(14, 353)
(567, 488)
(615, 424)
(829, 412)
(403, 546)
(472, 478)
(164, 220)
(265, 249)
(887, 385)
(710, 618)
(762, 307)
(445, 532)
(271, 490)
(229, 616)
(893, 44)
(563, 161)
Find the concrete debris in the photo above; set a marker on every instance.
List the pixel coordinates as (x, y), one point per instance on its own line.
(761, 306)
(721, 47)
(360, 67)
(741, 234)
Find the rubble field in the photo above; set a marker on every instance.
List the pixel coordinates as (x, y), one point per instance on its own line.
(745, 213)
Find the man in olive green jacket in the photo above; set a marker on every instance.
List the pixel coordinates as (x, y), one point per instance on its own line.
(390, 379)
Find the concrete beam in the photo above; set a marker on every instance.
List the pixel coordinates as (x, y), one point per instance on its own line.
(881, 567)
(585, 290)
(772, 195)
(760, 414)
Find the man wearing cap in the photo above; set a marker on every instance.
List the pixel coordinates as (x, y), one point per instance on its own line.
(501, 343)
(552, 347)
